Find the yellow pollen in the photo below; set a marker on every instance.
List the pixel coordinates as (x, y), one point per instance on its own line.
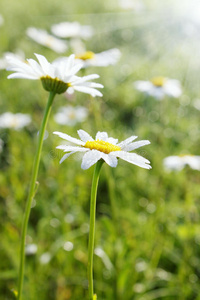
(101, 146)
(158, 81)
(86, 55)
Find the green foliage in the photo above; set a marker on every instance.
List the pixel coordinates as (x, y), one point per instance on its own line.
(148, 222)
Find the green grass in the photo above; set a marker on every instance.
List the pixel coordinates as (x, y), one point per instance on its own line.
(148, 222)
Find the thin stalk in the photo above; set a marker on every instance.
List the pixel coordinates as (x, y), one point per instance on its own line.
(32, 191)
(92, 227)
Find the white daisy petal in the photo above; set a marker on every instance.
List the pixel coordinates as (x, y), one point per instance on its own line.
(87, 90)
(134, 158)
(90, 158)
(68, 138)
(127, 141)
(66, 156)
(101, 136)
(135, 145)
(68, 148)
(110, 159)
(84, 136)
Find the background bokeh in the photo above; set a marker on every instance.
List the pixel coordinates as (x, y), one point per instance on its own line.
(147, 228)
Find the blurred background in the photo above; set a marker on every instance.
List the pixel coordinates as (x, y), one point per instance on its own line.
(147, 228)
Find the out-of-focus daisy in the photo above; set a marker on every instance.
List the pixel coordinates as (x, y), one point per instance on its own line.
(71, 115)
(3, 61)
(14, 121)
(42, 37)
(179, 162)
(31, 249)
(57, 77)
(158, 87)
(102, 59)
(103, 147)
(72, 29)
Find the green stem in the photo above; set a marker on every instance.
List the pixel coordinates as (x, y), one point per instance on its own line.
(92, 226)
(32, 192)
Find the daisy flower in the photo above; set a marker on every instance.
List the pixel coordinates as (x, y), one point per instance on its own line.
(177, 163)
(102, 59)
(3, 60)
(14, 121)
(72, 29)
(71, 115)
(43, 38)
(158, 87)
(103, 147)
(57, 77)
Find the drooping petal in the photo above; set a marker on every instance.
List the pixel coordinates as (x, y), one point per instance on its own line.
(134, 158)
(87, 90)
(66, 156)
(68, 138)
(110, 159)
(90, 158)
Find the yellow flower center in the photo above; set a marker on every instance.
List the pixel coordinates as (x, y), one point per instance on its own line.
(86, 55)
(158, 81)
(101, 146)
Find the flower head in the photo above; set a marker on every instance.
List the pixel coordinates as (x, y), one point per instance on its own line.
(158, 87)
(56, 77)
(42, 37)
(71, 115)
(177, 163)
(14, 121)
(102, 59)
(72, 29)
(103, 147)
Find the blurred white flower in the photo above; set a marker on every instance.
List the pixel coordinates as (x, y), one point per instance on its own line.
(71, 115)
(3, 61)
(177, 163)
(57, 77)
(45, 258)
(1, 20)
(72, 29)
(158, 87)
(103, 147)
(102, 59)
(14, 121)
(68, 246)
(43, 38)
(31, 249)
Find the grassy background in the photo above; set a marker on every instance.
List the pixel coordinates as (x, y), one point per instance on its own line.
(147, 221)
